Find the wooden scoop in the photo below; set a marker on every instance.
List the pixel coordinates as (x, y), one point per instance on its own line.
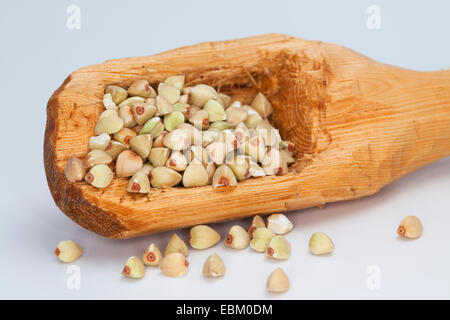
(358, 125)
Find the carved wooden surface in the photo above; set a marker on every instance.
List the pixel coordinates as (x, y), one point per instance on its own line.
(358, 125)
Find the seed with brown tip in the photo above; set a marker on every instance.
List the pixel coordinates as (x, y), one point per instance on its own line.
(203, 237)
(176, 244)
(411, 227)
(99, 142)
(257, 222)
(163, 177)
(217, 152)
(177, 161)
(152, 256)
(177, 140)
(141, 88)
(236, 115)
(114, 148)
(279, 248)
(199, 119)
(158, 156)
(278, 223)
(215, 111)
(158, 142)
(213, 267)
(224, 176)
(237, 238)
(320, 244)
(143, 112)
(254, 147)
(274, 164)
(268, 133)
(194, 134)
(139, 183)
(128, 163)
(242, 133)
(126, 114)
(118, 94)
(240, 167)
(124, 136)
(68, 251)
(277, 282)
(100, 176)
(261, 239)
(96, 157)
(74, 170)
(174, 265)
(201, 93)
(134, 268)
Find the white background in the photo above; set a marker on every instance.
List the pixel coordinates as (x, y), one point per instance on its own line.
(38, 52)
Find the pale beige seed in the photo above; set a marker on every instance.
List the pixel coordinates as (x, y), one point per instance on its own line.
(171, 94)
(182, 107)
(184, 99)
(142, 89)
(174, 265)
(253, 117)
(146, 169)
(257, 222)
(124, 136)
(68, 251)
(118, 93)
(236, 115)
(126, 114)
(278, 223)
(231, 143)
(130, 101)
(194, 134)
(152, 256)
(195, 175)
(199, 119)
(268, 133)
(163, 106)
(158, 156)
(96, 157)
(203, 237)
(274, 164)
(74, 170)
(255, 170)
(109, 123)
(177, 161)
(214, 267)
(210, 169)
(142, 144)
(215, 111)
(261, 239)
(201, 93)
(197, 152)
(134, 268)
(224, 176)
(139, 183)
(210, 136)
(262, 105)
(411, 227)
(220, 125)
(163, 177)
(216, 152)
(99, 142)
(176, 244)
(242, 133)
(177, 140)
(277, 282)
(158, 142)
(254, 147)
(191, 110)
(226, 99)
(108, 102)
(237, 238)
(114, 148)
(279, 248)
(100, 176)
(176, 81)
(128, 163)
(240, 167)
(287, 157)
(320, 244)
(143, 112)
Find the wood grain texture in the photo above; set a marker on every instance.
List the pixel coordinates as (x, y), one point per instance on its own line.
(358, 126)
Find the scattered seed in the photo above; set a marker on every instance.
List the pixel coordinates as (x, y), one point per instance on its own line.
(96, 157)
(214, 267)
(279, 248)
(240, 167)
(126, 114)
(278, 223)
(177, 161)
(226, 100)
(215, 111)
(158, 156)
(152, 256)
(261, 239)
(99, 142)
(210, 136)
(176, 244)
(139, 183)
(114, 148)
(224, 176)
(163, 105)
(108, 102)
(210, 169)
(203, 237)
(176, 81)
(177, 140)
(171, 94)
(74, 170)
(173, 119)
(320, 244)
(134, 268)
(262, 105)
(158, 142)
(236, 115)
(109, 122)
(174, 265)
(257, 222)
(146, 169)
(199, 119)
(237, 238)
(100, 176)
(118, 94)
(217, 152)
(124, 136)
(143, 112)
(220, 125)
(274, 164)
(142, 89)
(277, 282)
(201, 93)
(253, 117)
(411, 227)
(68, 251)
(194, 134)
(142, 144)
(195, 175)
